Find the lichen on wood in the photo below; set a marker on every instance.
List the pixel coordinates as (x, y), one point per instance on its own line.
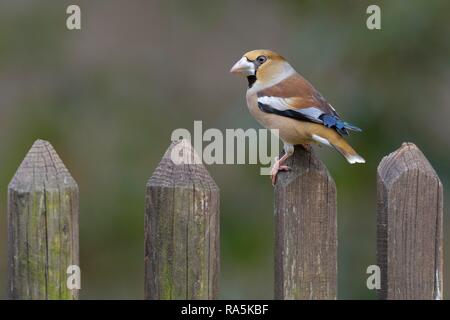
(42, 226)
(181, 229)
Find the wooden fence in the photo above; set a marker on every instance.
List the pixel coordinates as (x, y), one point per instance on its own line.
(182, 228)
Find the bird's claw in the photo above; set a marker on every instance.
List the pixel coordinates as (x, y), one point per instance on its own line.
(278, 166)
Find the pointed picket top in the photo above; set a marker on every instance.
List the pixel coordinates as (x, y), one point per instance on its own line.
(181, 228)
(41, 168)
(43, 211)
(409, 226)
(406, 158)
(182, 167)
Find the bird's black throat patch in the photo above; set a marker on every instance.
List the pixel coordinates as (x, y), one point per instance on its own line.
(251, 80)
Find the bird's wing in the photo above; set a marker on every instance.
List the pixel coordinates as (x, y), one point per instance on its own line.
(295, 97)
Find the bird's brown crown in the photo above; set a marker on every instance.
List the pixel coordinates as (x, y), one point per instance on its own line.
(271, 55)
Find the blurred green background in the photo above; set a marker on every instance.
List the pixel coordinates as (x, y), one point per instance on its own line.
(108, 97)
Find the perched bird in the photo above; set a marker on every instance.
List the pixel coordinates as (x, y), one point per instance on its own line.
(280, 98)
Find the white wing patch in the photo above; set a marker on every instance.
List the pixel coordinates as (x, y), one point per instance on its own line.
(283, 104)
(275, 102)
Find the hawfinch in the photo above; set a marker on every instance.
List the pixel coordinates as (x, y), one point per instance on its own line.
(279, 98)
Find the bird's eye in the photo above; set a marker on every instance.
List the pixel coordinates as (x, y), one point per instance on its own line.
(261, 59)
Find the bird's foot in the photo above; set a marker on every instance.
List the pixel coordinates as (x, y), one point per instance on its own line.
(278, 166)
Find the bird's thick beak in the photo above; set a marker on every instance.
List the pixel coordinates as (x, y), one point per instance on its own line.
(243, 67)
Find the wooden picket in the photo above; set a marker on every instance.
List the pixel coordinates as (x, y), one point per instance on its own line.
(305, 230)
(409, 228)
(42, 227)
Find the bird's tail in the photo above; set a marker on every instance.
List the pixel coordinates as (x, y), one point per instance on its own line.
(352, 127)
(347, 151)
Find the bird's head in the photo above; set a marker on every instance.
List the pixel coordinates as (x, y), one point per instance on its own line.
(263, 66)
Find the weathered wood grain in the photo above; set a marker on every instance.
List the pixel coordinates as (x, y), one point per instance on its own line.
(306, 230)
(181, 229)
(409, 226)
(42, 226)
